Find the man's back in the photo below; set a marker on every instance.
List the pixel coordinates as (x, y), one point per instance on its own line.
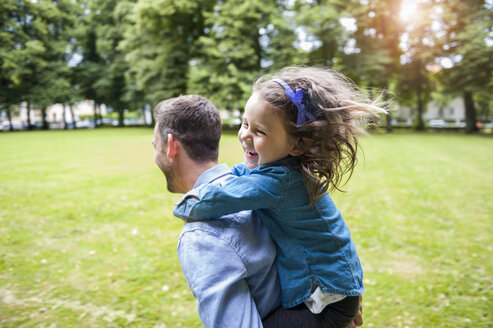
(230, 265)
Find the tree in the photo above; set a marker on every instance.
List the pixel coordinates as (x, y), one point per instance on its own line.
(159, 42)
(23, 34)
(8, 87)
(281, 41)
(420, 45)
(89, 69)
(244, 39)
(373, 61)
(34, 67)
(111, 16)
(103, 66)
(54, 81)
(132, 96)
(468, 26)
(319, 19)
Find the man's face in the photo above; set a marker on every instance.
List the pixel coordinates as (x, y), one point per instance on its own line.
(162, 160)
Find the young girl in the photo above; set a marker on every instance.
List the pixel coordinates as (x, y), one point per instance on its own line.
(299, 139)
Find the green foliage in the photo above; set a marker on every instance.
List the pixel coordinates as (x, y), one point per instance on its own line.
(89, 240)
(103, 64)
(467, 35)
(159, 43)
(376, 59)
(231, 52)
(320, 20)
(244, 40)
(33, 60)
(131, 54)
(470, 25)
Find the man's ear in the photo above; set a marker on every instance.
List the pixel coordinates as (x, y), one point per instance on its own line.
(298, 147)
(172, 146)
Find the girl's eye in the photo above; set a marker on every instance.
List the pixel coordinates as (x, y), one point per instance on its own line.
(261, 132)
(245, 125)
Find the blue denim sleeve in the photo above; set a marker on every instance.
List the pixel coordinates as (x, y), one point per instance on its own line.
(257, 190)
(223, 295)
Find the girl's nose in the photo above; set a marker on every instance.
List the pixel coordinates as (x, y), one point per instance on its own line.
(244, 133)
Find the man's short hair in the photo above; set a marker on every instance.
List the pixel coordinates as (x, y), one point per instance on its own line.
(194, 121)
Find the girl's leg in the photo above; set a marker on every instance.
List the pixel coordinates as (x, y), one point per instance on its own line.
(339, 314)
(335, 315)
(295, 317)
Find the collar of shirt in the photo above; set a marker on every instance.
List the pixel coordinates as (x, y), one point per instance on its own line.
(212, 174)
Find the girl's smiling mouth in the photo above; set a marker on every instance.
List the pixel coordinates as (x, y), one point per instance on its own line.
(251, 154)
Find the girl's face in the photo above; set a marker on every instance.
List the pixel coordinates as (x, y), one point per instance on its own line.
(262, 134)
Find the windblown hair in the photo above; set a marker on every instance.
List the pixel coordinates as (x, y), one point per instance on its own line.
(194, 121)
(330, 142)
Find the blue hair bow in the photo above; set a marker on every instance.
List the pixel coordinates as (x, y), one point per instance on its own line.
(296, 98)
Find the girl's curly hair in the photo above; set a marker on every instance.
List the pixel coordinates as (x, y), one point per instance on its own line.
(329, 143)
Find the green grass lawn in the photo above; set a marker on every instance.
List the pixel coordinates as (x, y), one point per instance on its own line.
(88, 238)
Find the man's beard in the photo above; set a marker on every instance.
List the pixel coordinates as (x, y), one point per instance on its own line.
(170, 175)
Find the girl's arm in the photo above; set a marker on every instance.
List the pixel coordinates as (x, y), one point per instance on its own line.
(249, 192)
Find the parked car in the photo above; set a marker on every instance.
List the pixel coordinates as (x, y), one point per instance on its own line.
(5, 126)
(437, 124)
(235, 121)
(110, 121)
(85, 124)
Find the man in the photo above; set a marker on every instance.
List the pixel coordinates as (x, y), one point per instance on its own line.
(229, 264)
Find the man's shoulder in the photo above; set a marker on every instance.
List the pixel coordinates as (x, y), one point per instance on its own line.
(215, 174)
(227, 225)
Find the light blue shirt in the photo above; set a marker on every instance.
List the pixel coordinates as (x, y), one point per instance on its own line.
(314, 243)
(229, 265)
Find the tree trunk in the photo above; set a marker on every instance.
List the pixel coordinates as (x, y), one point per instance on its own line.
(372, 123)
(153, 120)
(64, 113)
(420, 126)
(100, 117)
(258, 50)
(470, 113)
(9, 116)
(121, 117)
(29, 126)
(95, 108)
(143, 111)
(43, 118)
(73, 116)
(388, 116)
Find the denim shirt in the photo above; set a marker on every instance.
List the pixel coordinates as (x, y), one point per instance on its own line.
(313, 242)
(229, 265)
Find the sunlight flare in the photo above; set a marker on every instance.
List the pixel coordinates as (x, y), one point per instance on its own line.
(409, 10)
